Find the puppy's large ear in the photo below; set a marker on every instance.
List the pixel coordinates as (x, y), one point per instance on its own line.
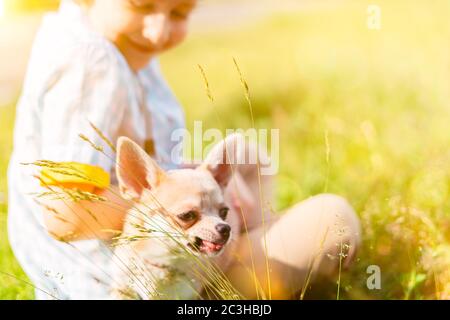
(223, 156)
(135, 169)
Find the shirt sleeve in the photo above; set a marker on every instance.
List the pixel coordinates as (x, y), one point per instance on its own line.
(88, 87)
(169, 119)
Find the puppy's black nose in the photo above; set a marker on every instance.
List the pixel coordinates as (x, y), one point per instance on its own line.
(223, 229)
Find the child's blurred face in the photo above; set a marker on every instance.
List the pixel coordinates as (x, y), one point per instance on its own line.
(142, 29)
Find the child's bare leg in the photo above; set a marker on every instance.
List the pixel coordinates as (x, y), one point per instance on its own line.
(306, 240)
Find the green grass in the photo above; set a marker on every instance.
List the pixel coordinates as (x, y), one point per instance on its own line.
(382, 99)
(10, 286)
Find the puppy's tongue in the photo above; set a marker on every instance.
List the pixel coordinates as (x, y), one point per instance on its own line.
(211, 246)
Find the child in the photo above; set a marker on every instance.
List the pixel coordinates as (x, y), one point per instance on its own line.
(95, 61)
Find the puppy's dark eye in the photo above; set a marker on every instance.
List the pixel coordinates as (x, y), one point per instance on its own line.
(188, 216)
(223, 212)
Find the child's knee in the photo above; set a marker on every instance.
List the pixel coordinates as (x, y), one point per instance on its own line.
(332, 202)
(343, 221)
(332, 217)
(336, 208)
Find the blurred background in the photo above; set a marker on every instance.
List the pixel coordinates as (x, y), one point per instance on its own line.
(360, 94)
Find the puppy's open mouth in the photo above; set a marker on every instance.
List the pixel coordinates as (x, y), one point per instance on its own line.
(204, 246)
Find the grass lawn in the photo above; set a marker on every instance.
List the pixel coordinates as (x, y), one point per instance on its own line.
(362, 113)
(10, 271)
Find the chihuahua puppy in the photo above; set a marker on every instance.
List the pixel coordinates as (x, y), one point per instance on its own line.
(179, 223)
